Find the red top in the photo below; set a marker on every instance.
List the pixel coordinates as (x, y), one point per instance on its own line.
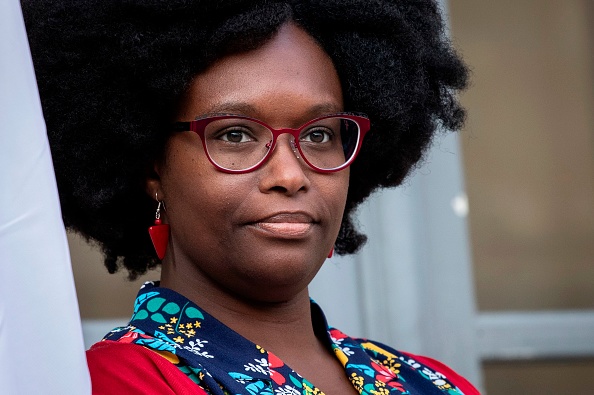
(123, 368)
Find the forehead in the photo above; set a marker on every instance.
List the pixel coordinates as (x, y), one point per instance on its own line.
(290, 73)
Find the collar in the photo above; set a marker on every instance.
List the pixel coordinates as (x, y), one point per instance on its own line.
(174, 326)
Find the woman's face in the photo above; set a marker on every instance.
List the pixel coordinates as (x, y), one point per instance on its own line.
(261, 235)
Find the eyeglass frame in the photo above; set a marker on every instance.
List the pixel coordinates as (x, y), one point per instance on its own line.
(198, 126)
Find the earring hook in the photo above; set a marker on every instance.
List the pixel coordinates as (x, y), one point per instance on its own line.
(159, 204)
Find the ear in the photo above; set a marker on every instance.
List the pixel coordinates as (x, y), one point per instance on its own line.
(152, 183)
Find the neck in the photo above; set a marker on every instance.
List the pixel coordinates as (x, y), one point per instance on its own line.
(265, 323)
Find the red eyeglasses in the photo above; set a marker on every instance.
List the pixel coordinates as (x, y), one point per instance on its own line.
(239, 144)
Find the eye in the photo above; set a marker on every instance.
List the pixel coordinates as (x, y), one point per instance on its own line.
(318, 135)
(236, 135)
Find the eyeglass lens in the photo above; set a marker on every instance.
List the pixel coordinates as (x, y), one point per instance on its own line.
(239, 144)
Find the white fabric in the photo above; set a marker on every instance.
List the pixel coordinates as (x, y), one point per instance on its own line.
(41, 345)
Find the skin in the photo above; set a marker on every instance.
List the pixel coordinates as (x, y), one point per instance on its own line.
(245, 246)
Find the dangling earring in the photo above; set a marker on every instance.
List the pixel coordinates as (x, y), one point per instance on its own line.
(159, 232)
(331, 252)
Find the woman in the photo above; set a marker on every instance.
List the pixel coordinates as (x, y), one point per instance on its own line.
(230, 129)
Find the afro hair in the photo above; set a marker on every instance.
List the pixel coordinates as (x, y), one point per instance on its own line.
(111, 74)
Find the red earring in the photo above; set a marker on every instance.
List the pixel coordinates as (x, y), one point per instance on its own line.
(331, 253)
(159, 232)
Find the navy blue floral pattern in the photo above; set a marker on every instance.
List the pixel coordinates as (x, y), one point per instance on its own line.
(222, 362)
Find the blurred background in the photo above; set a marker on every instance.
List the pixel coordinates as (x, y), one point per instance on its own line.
(485, 258)
(528, 154)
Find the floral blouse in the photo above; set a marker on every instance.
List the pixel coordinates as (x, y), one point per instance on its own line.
(221, 361)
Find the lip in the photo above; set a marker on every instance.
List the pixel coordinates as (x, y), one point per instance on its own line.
(285, 225)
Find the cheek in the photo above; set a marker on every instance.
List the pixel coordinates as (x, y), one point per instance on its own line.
(184, 179)
(201, 201)
(335, 194)
(201, 218)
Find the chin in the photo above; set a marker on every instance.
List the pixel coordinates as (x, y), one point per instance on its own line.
(278, 279)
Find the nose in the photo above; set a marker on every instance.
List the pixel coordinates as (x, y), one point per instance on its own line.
(285, 171)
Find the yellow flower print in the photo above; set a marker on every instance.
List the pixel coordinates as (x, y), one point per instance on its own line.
(341, 356)
(182, 326)
(178, 339)
(190, 333)
(311, 391)
(197, 324)
(442, 385)
(379, 384)
(357, 381)
(392, 364)
(189, 325)
(380, 391)
(379, 350)
(262, 351)
(173, 320)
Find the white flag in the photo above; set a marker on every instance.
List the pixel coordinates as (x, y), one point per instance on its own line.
(41, 345)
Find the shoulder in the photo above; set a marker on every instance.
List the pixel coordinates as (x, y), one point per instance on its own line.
(132, 369)
(389, 356)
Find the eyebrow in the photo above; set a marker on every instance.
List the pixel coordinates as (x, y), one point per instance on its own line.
(233, 107)
(245, 108)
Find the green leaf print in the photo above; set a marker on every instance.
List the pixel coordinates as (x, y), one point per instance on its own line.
(154, 304)
(240, 376)
(296, 381)
(258, 388)
(162, 336)
(141, 315)
(193, 312)
(156, 344)
(140, 300)
(158, 317)
(171, 308)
